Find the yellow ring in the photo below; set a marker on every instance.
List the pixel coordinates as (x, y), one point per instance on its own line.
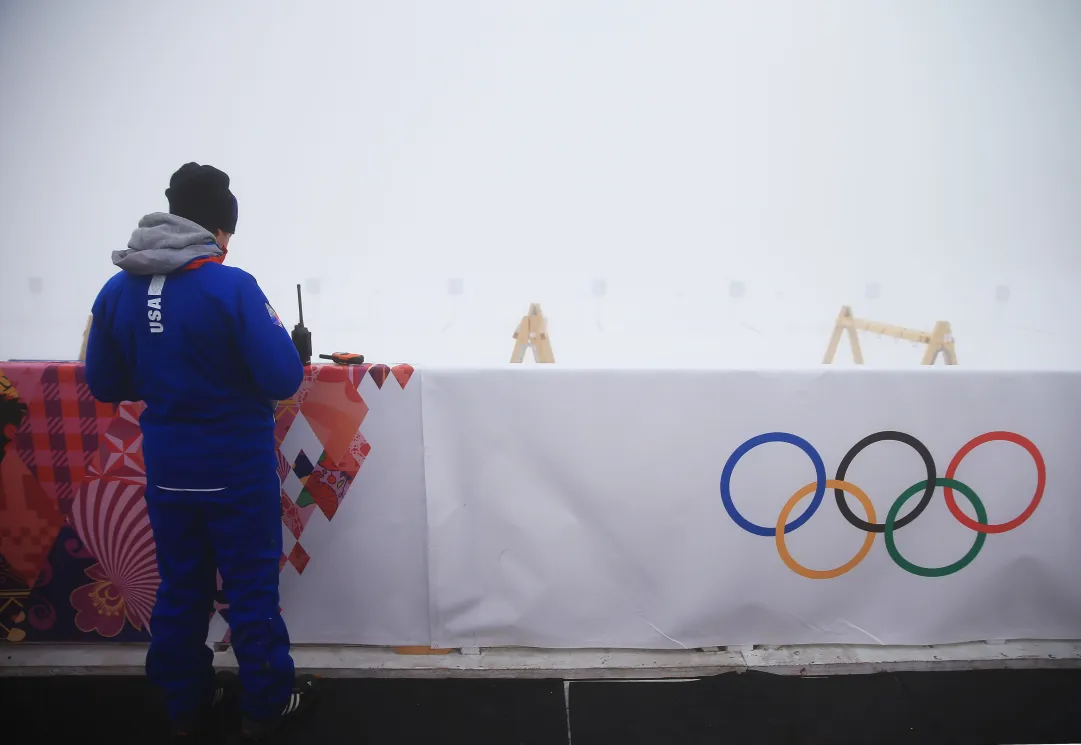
(803, 571)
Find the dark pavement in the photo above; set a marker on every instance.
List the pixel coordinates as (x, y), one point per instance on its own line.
(997, 706)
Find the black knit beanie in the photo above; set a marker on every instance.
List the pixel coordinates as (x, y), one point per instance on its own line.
(201, 194)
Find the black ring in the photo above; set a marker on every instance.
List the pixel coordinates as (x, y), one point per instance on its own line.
(925, 500)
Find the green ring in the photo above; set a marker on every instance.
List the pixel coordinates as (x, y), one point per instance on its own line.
(964, 561)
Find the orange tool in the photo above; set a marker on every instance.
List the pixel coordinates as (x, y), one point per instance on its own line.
(344, 358)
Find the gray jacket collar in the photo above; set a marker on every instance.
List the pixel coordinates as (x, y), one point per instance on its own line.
(164, 243)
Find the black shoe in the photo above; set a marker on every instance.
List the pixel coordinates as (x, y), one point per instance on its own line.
(225, 695)
(299, 703)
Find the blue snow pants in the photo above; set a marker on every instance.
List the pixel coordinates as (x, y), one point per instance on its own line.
(237, 531)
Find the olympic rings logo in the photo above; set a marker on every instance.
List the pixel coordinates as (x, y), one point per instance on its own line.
(925, 488)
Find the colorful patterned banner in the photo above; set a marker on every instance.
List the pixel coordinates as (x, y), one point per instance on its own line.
(77, 558)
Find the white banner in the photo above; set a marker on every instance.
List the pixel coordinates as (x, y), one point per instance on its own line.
(639, 509)
(364, 575)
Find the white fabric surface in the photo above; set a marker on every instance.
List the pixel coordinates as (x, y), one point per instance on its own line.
(573, 508)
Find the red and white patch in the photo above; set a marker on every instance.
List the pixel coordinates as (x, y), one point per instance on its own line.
(274, 315)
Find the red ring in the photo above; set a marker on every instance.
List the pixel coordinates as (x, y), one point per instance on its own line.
(1041, 480)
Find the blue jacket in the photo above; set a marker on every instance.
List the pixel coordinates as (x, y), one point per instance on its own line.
(202, 348)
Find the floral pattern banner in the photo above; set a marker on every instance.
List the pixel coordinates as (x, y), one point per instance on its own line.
(77, 556)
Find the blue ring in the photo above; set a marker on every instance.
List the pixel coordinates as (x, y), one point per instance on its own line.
(733, 459)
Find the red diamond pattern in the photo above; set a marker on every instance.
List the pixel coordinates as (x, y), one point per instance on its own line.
(299, 558)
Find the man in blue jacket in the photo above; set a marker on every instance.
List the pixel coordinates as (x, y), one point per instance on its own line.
(198, 342)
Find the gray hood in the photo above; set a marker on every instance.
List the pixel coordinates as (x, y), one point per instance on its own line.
(163, 243)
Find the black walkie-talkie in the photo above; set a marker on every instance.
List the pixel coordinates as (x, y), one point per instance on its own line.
(302, 338)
